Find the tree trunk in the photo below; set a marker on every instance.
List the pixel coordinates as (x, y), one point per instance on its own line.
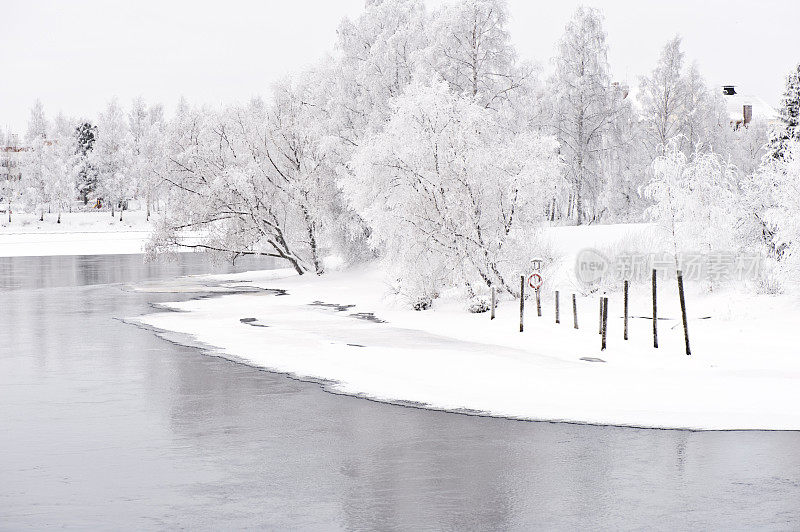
(312, 240)
(296, 265)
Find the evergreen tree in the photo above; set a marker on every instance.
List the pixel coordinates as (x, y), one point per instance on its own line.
(790, 116)
(87, 176)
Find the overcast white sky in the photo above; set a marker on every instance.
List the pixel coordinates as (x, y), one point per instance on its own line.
(74, 55)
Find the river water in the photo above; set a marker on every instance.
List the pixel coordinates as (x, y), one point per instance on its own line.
(104, 425)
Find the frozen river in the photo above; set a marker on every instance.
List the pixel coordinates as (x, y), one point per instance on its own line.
(105, 426)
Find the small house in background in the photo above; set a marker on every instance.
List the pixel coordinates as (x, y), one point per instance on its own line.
(744, 108)
(11, 162)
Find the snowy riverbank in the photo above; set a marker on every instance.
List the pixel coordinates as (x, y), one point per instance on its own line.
(744, 373)
(79, 233)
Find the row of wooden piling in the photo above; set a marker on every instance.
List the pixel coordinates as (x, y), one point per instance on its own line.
(603, 316)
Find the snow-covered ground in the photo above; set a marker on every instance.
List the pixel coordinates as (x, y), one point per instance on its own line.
(79, 233)
(744, 372)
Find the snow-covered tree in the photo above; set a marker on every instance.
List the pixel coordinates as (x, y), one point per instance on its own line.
(695, 200)
(472, 52)
(704, 120)
(677, 106)
(584, 108)
(87, 175)
(10, 186)
(780, 182)
(111, 157)
(749, 145)
(38, 162)
(378, 54)
(452, 197)
(627, 165)
(253, 180)
(790, 116)
(148, 161)
(663, 98)
(62, 185)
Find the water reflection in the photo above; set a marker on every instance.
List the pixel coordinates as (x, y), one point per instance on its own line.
(104, 425)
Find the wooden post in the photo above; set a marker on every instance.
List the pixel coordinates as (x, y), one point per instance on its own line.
(600, 319)
(538, 303)
(605, 324)
(575, 311)
(521, 300)
(625, 292)
(655, 312)
(683, 312)
(493, 303)
(557, 320)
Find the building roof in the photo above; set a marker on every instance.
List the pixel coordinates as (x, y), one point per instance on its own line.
(761, 109)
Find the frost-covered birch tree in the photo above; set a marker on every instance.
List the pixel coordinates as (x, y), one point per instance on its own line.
(663, 98)
(38, 162)
(677, 106)
(111, 157)
(471, 50)
(62, 184)
(148, 161)
(377, 55)
(584, 108)
(695, 200)
(252, 179)
(453, 198)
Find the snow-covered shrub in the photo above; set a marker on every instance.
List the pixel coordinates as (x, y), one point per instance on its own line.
(771, 278)
(478, 305)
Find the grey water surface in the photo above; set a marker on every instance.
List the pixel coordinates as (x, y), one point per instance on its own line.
(106, 426)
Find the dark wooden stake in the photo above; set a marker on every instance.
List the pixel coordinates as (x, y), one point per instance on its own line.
(600, 319)
(605, 324)
(625, 294)
(655, 312)
(521, 300)
(538, 304)
(683, 312)
(575, 311)
(557, 320)
(491, 316)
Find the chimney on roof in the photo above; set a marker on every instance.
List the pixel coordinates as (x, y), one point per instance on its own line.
(747, 113)
(728, 90)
